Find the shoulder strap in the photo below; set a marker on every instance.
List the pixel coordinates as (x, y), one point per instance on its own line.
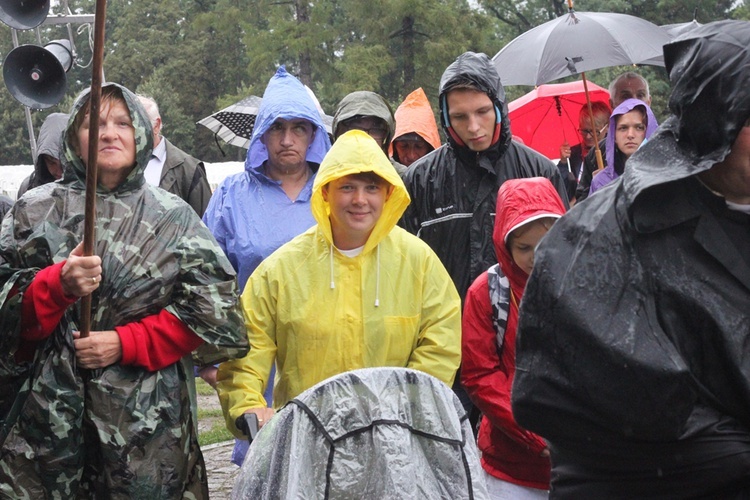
(499, 288)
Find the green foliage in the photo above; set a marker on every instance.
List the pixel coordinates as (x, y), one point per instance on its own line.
(198, 56)
(218, 433)
(176, 125)
(202, 388)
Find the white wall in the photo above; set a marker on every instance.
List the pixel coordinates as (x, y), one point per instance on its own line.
(11, 176)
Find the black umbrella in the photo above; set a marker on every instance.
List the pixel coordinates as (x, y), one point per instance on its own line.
(234, 124)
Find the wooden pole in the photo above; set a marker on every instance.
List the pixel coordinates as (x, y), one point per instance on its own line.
(95, 97)
(597, 151)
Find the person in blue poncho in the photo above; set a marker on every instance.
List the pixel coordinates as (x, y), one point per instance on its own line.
(254, 212)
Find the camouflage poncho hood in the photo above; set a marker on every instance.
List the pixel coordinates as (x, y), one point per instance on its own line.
(75, 170)
(122, 431)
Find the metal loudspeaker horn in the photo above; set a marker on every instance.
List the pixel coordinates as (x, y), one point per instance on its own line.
(23, 14)
(35, 76)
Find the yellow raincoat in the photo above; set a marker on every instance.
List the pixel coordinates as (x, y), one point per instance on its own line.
(317, 313)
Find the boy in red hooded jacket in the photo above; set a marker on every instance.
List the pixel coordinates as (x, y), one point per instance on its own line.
(516, 462)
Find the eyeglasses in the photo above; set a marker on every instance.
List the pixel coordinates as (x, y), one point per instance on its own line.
(372, 126)
(588, 131)
(377, 133)
(300, 128)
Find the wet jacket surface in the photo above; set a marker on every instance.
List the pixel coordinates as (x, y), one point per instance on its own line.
(5, 204)
(632, 346)
(509, 452)
(454, 189)
(121, 431)
(415, 115)
(49, 143)
(185, 176)
(318, 313)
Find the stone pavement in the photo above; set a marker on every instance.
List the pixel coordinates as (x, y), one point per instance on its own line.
(221, 472)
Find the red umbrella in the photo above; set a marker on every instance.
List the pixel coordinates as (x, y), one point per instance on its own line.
(548, 115)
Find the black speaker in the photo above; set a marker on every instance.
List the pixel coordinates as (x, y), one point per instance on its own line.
(23, 14)
(35, 76)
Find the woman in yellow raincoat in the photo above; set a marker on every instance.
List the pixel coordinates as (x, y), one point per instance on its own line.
(353, 291)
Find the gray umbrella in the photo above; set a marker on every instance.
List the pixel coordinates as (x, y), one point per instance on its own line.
(577, 42)
(674, 31)
(680, 28)
(234, 124)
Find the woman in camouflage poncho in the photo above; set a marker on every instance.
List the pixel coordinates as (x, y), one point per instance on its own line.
(108, 416)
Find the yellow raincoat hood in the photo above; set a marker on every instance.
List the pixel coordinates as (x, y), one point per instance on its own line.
(356, 152)
(314, 312)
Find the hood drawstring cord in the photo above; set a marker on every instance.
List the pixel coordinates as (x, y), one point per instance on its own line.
(330, 259)
(377, 279)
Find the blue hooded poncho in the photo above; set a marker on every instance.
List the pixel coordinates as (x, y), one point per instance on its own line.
(250, 214)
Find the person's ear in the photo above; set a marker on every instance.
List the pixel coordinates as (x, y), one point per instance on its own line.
(324, 192)
(391, 188)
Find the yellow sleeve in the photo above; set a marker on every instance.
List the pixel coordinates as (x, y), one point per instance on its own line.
(241, 382)
(438, 350)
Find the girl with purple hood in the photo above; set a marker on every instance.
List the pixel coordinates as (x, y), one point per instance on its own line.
(630, 125)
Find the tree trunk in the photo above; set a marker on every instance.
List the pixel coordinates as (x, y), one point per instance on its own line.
(305, 66)
(407, 32)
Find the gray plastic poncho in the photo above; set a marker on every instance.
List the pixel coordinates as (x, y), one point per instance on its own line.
(370, 433)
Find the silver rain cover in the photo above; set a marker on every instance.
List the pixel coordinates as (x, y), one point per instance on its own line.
(368, 433)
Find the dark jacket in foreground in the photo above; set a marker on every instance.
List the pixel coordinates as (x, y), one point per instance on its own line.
(454, 189)
(632, 352)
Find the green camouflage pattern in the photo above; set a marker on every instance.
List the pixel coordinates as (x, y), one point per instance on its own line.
(119, 432)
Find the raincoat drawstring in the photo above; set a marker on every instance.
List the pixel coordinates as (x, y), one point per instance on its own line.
(377, 280)
(330, 259)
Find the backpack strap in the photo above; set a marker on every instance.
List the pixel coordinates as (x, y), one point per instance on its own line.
(499, 288)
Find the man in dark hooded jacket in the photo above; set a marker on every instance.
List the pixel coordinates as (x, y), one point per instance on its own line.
(47, 166)
(632, 358)
(454, 188)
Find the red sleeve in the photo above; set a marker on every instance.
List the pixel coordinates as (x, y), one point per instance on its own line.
(156, 341)
(486, 376)
(44, 304)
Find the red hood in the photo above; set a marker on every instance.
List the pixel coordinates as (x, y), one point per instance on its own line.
(519, 200)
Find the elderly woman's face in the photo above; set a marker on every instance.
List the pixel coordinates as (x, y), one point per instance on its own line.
(116, 151)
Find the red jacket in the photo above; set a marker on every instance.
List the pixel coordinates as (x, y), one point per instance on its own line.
(153, 342)
(509, 452)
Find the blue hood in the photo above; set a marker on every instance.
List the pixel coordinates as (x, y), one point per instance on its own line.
(285, 97)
